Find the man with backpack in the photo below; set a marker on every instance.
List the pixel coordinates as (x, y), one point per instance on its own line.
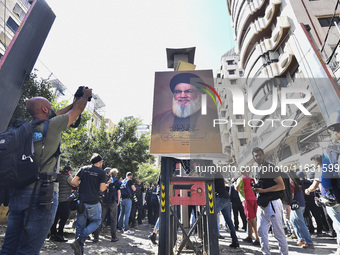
(110, 203)
(29, 220)
(91, 180)
(127, 188)
(269, 211)
(329, 175)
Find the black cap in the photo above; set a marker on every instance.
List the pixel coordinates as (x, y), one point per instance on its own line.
(188, 78)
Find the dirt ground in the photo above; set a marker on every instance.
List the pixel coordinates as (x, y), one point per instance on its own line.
(138, 243)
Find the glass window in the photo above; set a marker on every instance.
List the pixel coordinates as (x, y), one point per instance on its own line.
(262, 94)
(306, 145)
(19, 11)
(325, 22)
(12, 24)
(285, 152)
(243, 142)
(240, 128)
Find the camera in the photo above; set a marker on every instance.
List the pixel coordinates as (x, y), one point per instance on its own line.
(256, 185)
(74, 196)
(80, 92)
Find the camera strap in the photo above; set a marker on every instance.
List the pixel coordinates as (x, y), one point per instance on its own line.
(36, 183)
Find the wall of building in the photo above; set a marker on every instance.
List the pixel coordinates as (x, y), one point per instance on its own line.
(276, 52)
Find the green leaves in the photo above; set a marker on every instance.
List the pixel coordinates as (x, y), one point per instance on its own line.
(33, 87)
(119, 147)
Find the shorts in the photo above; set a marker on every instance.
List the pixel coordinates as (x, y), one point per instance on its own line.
(250, 208)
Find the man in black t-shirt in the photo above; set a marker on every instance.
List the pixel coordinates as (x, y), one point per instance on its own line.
(126, 189)
(269, 212)
(93, 180)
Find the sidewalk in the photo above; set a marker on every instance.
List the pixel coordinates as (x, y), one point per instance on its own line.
(138, 243)
(323, 245)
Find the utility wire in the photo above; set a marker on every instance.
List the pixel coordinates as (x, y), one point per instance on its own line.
(330, 25)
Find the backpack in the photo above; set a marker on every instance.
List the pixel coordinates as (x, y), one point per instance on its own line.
(17, 166)
(287, 193)
(330, 176)
(125, 190)
(110, 195)
(148, 196)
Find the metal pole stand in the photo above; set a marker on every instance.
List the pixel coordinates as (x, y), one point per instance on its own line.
(201, 193)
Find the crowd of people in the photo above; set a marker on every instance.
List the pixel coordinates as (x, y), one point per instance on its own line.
(293, 205)
(41, 209)
(287, 204)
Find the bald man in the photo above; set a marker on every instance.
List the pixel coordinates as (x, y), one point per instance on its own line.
(30, 240)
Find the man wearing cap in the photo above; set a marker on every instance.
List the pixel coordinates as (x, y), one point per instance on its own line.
(93, 180)
(126, 189)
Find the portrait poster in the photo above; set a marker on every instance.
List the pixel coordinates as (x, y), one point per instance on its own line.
(184, 110)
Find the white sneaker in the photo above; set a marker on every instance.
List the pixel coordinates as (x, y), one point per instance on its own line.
(129, 232)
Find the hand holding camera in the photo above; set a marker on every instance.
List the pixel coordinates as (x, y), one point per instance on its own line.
(84, 91)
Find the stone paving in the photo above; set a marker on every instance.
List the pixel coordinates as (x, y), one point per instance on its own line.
(138, 243)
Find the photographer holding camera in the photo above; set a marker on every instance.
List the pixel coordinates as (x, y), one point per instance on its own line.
(269, 211)
(29, 223)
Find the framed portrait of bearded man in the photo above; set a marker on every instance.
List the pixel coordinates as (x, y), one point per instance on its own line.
(184, 110)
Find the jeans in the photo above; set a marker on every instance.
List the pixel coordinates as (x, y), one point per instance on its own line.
(334, 213)
(224, 205)
(91, 215)
(125, 209)
(271, 216)
(299, 225)
(39, 223)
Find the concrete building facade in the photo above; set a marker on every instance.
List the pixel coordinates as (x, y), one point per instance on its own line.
(12, 13)
(286, 54)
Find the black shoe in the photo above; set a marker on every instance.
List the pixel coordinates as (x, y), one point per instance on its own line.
(247, 240)
(114, 239)
(234, 245)
(95, 240)
(60, 238)
(256, 243)
(332, 234)
(220, 237)
(77, 247)
(152, 237)
(52, 238)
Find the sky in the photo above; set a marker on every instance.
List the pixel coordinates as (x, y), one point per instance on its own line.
(115, 47)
